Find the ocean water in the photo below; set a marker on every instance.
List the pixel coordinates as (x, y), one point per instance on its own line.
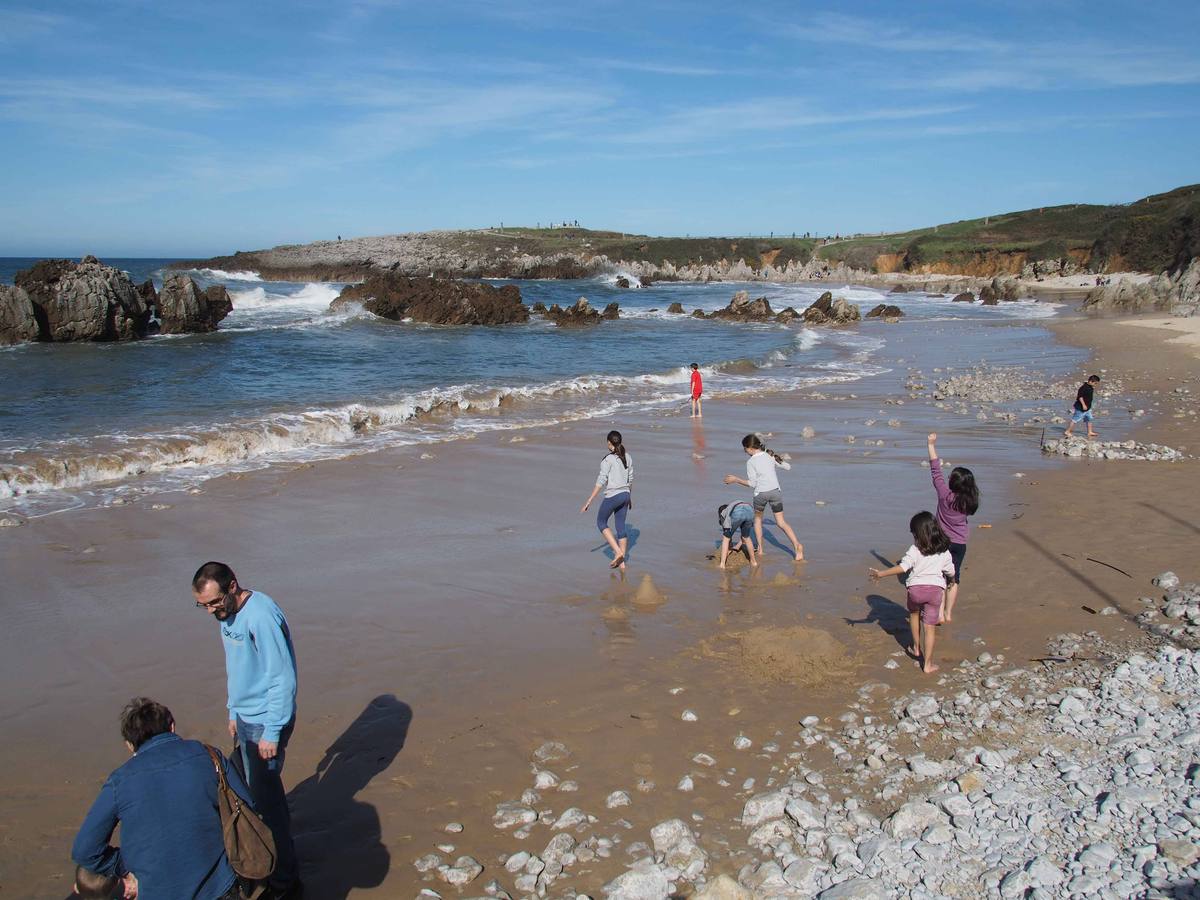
(284, 380)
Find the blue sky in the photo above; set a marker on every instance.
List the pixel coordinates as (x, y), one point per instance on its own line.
(153, 127)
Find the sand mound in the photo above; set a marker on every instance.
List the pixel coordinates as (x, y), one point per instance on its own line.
(648, 594)
(798, 655)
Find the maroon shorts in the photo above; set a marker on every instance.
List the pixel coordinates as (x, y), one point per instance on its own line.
(927, 600)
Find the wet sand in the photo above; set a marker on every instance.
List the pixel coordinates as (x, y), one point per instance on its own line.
(453, 613)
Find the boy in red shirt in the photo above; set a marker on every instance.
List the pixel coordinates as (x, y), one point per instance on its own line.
(697, 390)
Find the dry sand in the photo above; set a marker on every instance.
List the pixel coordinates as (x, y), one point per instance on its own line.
(1186, 331)
(446, 627)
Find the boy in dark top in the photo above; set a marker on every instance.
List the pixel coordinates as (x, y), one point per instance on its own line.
(1083, 406)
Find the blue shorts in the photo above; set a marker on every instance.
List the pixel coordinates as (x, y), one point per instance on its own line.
(1081, 415)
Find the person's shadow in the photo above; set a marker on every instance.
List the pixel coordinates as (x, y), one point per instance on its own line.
(630, 532)
(887, 614)
(339, 839)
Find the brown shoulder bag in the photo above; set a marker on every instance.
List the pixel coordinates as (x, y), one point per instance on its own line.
(248, 841)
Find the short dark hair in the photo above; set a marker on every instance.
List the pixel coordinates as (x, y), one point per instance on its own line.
(91, 885)
(695, 365)
(213, 571)
(927, 534)
(142, 719)
(1093, 378)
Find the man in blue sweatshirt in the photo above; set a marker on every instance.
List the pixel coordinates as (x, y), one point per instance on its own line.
(260, 666)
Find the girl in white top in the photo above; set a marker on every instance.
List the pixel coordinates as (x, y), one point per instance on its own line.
(928, 564)
(761, 478)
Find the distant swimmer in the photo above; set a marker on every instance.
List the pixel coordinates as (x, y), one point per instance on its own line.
(697, 391)
(616, 480)
(762, 480)
(736, 520)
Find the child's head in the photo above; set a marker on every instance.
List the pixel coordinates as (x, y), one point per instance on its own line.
(90, 885)
(695, 367)
(928, 535)
(966, 493)
(1093, 379)
(752, 443)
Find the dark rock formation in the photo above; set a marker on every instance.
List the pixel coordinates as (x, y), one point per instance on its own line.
(1006, 288)
(183, 308)
(988, 295)
(84, 301)
(612, 311)
(645, 280)
(741, 308)
(964, 297)
(148, 294)
(827, 311)
(575, 316)
(676, 308)
(622, 281)
(787, 315)
(435, 301)
(885, 311)
(698, 314)
(538, 307)
(899, 289)
(18, 321)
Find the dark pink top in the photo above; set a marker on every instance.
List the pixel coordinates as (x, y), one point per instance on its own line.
(953, 522)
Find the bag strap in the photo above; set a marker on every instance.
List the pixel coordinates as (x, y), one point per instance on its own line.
(216, 761)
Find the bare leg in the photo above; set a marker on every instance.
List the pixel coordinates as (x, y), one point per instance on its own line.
(787, 529)
(930, 632)
(948, 603)
(724, 552)
(758, 514)
(749, 545)
(612, 542)
(914, 625)
(623, 552)
(699, 408)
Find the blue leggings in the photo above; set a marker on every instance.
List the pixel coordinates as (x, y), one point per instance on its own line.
(618, 506)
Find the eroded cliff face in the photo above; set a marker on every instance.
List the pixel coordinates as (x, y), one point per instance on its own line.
(989, 264)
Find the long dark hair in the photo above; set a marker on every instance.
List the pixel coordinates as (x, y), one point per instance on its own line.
(754, 442)
(966, 494)
(614, 438)
(928, 535)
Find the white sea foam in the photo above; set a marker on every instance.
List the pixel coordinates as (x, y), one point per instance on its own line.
(222, 275)
(315, 295)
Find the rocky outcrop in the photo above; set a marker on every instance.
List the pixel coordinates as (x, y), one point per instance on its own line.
(577, 315)
(887, 312)
(964, 297)
(18, 321)
(828, 311)
(622, 282)
(1178, 294)
(84, 301)
(612, 311)
(435, 301)
(787, 316)
(183, 308)
(676, 308)
(742, 309)
(988, 296)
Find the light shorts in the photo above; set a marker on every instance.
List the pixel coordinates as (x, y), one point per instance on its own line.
(1081, 415)
(775, 498)
(927, 600)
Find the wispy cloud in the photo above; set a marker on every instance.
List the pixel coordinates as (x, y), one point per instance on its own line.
(23, 24)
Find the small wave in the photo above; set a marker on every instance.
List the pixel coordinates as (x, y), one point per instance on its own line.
(222, 275)
(314, 295)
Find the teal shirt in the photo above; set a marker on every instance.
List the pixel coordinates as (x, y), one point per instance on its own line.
(261, 665)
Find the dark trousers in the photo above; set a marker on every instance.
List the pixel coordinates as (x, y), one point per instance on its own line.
(264, 778)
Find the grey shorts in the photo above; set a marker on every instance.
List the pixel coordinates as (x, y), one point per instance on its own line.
(775, 498)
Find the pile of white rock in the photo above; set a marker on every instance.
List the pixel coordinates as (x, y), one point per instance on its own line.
(1081, 447)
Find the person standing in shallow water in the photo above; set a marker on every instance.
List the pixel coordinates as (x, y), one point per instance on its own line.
(260, 665)
(616, 480)
(1082, 410)
(697, 392)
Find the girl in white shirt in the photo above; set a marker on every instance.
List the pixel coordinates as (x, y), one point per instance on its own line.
(761, 478)
(928, 564)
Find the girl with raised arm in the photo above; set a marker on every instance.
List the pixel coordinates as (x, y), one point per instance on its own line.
(762, 480)
(616, 480)
(956, 502)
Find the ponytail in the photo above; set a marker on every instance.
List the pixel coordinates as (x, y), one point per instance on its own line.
(614, 438)
(754, 442)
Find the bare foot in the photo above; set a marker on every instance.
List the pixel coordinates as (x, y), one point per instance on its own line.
(800, 558)
(619, 562)
(929, 669)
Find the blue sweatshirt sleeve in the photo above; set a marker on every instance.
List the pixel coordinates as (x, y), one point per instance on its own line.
(272, 641)
(92, 849)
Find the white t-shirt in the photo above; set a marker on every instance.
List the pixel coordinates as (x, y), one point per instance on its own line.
(926, 569)
(760, 472)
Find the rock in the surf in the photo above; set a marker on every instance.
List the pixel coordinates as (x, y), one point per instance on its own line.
(579, 313)
(84, 301)
(886, 312)
(435, 301)
(742, 308)
(18, 321)
(183, 308)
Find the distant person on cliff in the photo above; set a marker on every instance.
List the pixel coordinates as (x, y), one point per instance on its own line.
(1084, 401)
(260, 665)
(697, 391)
(762, 480)
(957, 501)
(736, 518)
(928, 565)
(164, 798)
(616, 480)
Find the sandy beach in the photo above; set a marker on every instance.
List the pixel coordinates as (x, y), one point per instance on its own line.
(453, 611)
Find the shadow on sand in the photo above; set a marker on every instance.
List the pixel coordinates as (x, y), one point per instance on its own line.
(338, 838)
(889, 616)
